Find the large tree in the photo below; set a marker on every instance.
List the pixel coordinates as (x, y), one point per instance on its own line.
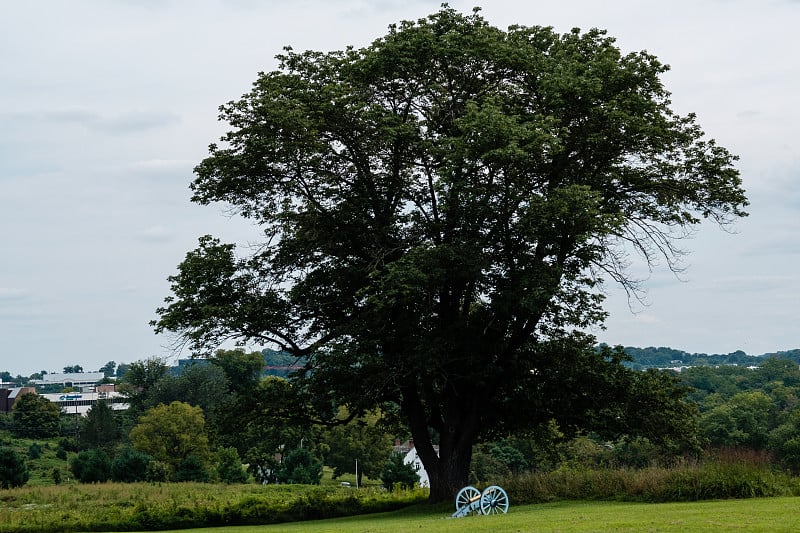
(439, 211)
(171, 434)
(35, 416)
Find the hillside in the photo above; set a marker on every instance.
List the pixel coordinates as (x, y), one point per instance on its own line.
(663, 357)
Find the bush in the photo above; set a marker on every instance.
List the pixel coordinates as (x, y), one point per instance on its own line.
(34, 451)
(485, 467)
(91, 466)
(157, 471)
(229, 466)
(13, 469)
(68, 445)
(635, 453)
(192, 468)
(130, 466)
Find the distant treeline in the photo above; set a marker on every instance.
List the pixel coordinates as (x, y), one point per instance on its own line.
(663, 357)
(276, 363)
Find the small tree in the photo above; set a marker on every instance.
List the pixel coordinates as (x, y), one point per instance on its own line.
(34, 450)
(397, 472)
(229, 466)
(171, 433)
(130, 466)
(91, 466)
(192, 468)
(300, 467)
(13, 469)
(100, 428)
(364, 440)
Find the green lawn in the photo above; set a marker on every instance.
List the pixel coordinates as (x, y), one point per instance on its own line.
(752, 515)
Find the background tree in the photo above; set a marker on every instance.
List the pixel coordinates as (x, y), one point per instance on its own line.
(440, 209)
(202, 385)
(171, 433)
(108, 369)
(300, 467)
(130, 466)
(193, 468)
(121, 369)
(243, 370)
(99, 429)
(229, 466)
(91, 466)
(270, 418)
(35, 416)
(139, 378)
(74, 369)
(396, 472)
(13, 469)
(363, 440)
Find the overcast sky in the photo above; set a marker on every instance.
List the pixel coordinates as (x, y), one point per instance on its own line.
(107, 105)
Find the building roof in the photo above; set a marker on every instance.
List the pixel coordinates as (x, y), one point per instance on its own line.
(73, 377)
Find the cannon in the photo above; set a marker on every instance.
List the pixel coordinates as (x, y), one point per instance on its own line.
(493, 500)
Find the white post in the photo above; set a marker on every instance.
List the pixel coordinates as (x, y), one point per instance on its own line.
(356, 473)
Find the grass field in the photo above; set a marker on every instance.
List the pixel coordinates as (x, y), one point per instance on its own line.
(751, 515)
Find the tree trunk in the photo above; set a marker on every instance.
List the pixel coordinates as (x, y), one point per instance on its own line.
(450, 473)
(448, 470)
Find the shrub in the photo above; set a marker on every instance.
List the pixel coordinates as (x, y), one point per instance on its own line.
(34, 451)
(91, 466)
(229, 466)
(68, 445)
(192, 468)
(638, 452)
(130, 466)
(157, 471)
(13, 469)
(486, 467)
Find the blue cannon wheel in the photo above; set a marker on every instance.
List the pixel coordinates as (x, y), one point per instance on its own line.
(494, 500)
(466, 497)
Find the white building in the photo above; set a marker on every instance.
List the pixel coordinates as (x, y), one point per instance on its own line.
(79, 403)
(77, 380)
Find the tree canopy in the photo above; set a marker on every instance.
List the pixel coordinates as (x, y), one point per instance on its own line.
(440, 210)
(35, 416)
(171, 434)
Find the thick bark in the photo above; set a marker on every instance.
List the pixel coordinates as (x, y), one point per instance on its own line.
(448, 471)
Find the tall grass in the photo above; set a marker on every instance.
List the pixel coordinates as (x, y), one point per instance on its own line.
(141, 506)
(723, 477)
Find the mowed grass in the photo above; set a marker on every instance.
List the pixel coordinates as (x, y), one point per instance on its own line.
(751, 515)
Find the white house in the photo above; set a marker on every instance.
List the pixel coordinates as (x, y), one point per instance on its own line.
(412, 458)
